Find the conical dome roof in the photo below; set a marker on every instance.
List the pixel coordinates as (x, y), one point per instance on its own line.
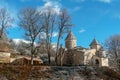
(70, 36)
(94, 42)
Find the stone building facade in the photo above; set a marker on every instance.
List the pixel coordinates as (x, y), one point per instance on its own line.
(77, 55)
(5, 52)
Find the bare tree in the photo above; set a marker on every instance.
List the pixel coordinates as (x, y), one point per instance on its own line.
(5, 21)
(30, 21)
(64, 25)
(42, 46)
(49, 18)
(113, 46)
(23, 48)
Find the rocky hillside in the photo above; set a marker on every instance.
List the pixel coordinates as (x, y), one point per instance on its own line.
(11, 72)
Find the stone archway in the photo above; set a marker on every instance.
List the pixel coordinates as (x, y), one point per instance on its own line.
(96, 61)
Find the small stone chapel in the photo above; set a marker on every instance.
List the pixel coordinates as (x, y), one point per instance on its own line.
(77, 55)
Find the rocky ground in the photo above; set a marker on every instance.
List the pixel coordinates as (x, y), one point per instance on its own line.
(18, 72)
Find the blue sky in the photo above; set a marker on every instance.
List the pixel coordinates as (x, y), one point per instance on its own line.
(92, 18)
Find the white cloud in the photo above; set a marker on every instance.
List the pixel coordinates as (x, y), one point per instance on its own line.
(55, 34)
(54, 5)
(43, 35)
(82, 30)
(18, 41)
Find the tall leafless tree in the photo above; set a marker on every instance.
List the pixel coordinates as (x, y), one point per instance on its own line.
(64, 25)
(113, 46)
(30, 21)
(49, 19)
(5, 21)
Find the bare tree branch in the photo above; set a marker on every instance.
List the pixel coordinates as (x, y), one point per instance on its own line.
(30, 21)
(64, 25)
(49, 19)
(113, 46)
(5, 21)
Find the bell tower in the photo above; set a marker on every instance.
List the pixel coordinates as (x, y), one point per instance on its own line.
(95, 44)
(70, 41)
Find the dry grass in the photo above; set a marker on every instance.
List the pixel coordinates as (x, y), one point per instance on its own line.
(22, 72)
(110, 74)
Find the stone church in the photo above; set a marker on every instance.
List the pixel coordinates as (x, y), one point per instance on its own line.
(77, 55)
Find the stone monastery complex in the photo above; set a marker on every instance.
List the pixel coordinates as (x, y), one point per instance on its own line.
(77, 55)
